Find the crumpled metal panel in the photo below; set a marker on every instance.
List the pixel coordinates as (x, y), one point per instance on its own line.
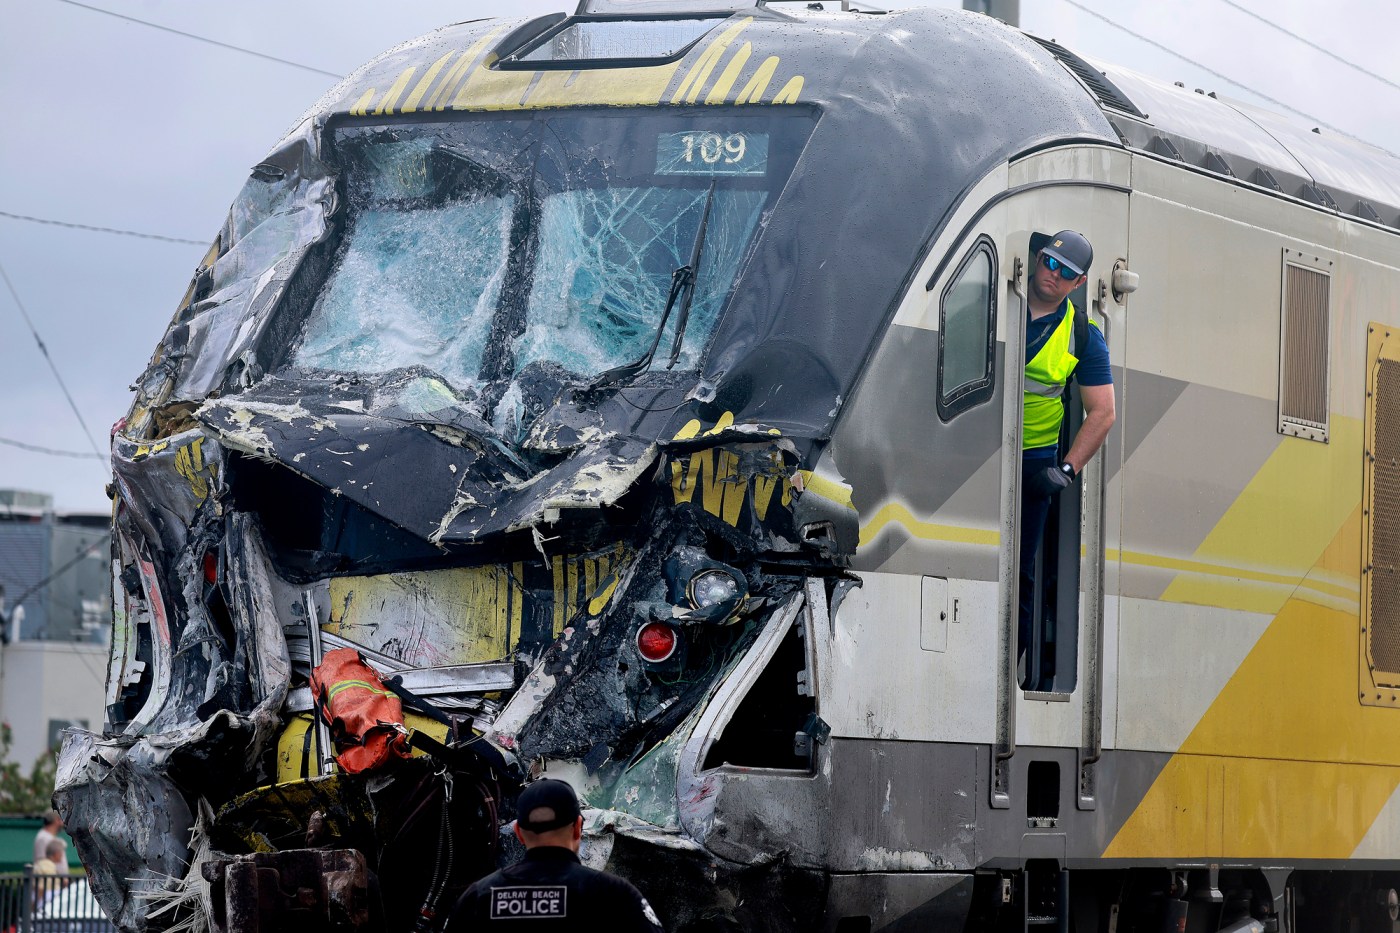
(172, 478)
(129, 814)
(466, 485)
(283, 209)
(129, 820)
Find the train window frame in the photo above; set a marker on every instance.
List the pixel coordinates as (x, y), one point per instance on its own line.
(1304, 363)
(953, 402)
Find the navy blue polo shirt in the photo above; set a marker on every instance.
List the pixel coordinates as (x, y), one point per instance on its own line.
(1093, 368)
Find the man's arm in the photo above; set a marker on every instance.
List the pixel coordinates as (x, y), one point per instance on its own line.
(629, 909)
(1099, 415)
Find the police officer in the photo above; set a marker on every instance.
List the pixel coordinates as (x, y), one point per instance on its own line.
(549, 889)
(1057, 349)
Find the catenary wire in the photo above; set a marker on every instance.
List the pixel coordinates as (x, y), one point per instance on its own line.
(1311, 44)
(62, 569)
(1210, 71)
(99, 679)
(38, 449)
(73, 226)
(190, 35)
(45, 351)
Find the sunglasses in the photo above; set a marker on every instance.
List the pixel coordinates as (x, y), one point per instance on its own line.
(1054, 265)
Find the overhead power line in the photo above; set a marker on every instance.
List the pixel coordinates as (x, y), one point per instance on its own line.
(35, 448)
(62, 569)
(45, 351)
(73, 226)
(1210, 71)
(205, 39)
(1311, 44)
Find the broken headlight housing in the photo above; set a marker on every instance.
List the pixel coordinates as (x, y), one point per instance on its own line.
(714, 587)
(702, 589)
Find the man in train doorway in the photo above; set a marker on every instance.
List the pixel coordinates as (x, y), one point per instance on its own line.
(1061, 344)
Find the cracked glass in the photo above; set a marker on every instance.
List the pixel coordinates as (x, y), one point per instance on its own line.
(515, 256)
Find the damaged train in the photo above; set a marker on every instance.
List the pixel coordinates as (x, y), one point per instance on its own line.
(629, 391)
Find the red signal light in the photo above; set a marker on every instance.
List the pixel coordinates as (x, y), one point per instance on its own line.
(656, 641)
(211, 567)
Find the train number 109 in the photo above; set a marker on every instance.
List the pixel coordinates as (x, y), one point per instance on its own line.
(712, 147)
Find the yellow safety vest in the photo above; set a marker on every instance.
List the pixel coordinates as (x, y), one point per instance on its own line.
(1047, 374)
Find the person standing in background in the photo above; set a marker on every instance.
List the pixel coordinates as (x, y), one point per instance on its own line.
(49, 832)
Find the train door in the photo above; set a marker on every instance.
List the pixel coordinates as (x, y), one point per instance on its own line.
(1051, 682)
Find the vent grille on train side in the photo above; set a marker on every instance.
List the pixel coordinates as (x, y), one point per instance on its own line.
(1380, 557)
(1303, 373)
(1385, 521)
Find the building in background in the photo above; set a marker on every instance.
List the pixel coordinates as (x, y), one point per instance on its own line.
(56, 607)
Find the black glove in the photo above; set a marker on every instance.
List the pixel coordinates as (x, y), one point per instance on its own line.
(1051, 480)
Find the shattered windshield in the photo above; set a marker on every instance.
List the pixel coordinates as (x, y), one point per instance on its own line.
(498, 251)
(604, 271)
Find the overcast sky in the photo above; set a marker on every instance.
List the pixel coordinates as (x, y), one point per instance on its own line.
(111, 123)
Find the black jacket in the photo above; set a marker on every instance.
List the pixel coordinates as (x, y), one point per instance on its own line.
(550, 890)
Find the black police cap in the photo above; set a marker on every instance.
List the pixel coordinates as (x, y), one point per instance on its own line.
(547, 793)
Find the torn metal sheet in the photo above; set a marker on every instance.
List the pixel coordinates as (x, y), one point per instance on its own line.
(468, 485)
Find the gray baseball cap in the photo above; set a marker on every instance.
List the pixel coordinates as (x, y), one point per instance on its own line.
(1068, 247)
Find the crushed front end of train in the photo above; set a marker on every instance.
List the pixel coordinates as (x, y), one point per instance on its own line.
(510, 369)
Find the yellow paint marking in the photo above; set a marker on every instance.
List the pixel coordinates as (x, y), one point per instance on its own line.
(1299, 681)
(570, 590)
(189, 463)
(724, 423)
(1272, 527)
(828, 489)
(1243, 808)
(488, 89)
(145, 450)
(590, 576)
(557, 565)
(411, 105)
(391, 96)
(763, 487)
(599, 602)
(688, 430)
(1301, 673)
(725, 84)
(723, 486)
(1234, 572)
(790, 92)
(899, 514)
(362, 105)
(449, 82)
(608, 86)
(448, 86)
(758, 85)
(700, 72)
(463, 615)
